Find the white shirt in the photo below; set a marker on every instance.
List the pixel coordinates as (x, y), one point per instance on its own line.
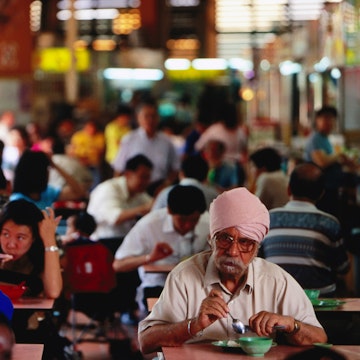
(157, 226)
(268, 288)
(106, 202)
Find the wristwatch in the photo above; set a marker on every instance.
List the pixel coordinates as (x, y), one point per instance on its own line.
(296, 328)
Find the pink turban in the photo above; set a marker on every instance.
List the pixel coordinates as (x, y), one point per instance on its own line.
(241, 209)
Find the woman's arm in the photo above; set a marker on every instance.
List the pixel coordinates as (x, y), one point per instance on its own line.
(51, 276)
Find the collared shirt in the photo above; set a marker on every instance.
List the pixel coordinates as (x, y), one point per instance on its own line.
(158, 149)
(157, 226)
(209, 192)
(106, 203)
(267, 288)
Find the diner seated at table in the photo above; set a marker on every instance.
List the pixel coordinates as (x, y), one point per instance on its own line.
(268, 181)
(31, 181)
(334, 162)
(164, 236)
(27, 239)
(304, 240)
(204, 293)
(194, 171)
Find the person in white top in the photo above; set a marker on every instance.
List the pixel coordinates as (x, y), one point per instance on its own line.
(147, 140)
(165, 236)
(117, 203)
(270, 182)
(230, 132)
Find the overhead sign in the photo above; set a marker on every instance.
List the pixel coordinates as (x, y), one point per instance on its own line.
(16, 38)
(58, 60)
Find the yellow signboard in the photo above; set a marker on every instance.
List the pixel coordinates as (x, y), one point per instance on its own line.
(193, 74)
(58, 60)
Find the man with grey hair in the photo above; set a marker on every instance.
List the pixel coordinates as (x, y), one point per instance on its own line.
(201, 292)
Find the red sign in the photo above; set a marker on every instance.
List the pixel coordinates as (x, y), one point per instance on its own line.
(16, 43)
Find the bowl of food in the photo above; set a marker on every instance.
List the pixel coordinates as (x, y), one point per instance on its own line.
(255, 345)
(13, 291)
(312, 294)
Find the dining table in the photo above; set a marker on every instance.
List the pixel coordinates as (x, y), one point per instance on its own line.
(27, 351)
(158, 268)
(337, 305)
(33, 303)
(208, 351)
(340, 318)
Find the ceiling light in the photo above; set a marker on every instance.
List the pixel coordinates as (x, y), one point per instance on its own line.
(177, 64)
(133, 74)
(209, 64)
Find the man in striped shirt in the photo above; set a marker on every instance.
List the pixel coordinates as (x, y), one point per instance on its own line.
(303, 240)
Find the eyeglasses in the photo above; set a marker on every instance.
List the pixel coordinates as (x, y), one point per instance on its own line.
(225, 241)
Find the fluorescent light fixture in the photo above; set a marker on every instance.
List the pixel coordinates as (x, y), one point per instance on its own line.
(133, 74)
(99, 4)
(177, 64)
(88, 14)
(288, 68)
(209, 64)
(322, 65)
(240, 64)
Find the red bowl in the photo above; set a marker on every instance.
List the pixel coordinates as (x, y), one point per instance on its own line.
(14, 292)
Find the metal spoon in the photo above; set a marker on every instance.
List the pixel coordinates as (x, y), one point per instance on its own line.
(241, 328)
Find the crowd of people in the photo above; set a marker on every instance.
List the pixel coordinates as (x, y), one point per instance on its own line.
(206, 211)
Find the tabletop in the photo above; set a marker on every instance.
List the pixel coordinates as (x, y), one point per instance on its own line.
(34, 303)
(27, 351)
(349, 304)
(153, 268)
(279, 352)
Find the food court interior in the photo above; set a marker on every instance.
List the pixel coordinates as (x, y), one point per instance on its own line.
(279, 61)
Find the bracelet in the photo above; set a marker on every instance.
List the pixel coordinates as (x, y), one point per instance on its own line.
(189, 329)
(52, 248)
(147, 258)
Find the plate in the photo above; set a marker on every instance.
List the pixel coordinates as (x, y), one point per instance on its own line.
(232, 345)
(327, 303)
(229, 345)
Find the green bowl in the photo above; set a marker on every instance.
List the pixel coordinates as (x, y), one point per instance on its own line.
(255, 345)
(312, 293)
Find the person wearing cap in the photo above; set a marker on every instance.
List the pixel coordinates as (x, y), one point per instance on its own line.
(201, 292)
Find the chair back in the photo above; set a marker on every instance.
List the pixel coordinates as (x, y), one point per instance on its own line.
(88, 268)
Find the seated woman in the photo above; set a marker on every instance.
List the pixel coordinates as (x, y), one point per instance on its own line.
(31, 181)
(27, 235)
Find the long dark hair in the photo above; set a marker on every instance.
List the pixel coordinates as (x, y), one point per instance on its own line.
(23, 212)
(31, 173)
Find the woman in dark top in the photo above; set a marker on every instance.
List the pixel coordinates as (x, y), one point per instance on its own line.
(27, 236)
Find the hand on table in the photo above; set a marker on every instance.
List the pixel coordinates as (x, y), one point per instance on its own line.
(263, 323)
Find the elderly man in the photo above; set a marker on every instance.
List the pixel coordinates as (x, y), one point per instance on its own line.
(203, 291)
